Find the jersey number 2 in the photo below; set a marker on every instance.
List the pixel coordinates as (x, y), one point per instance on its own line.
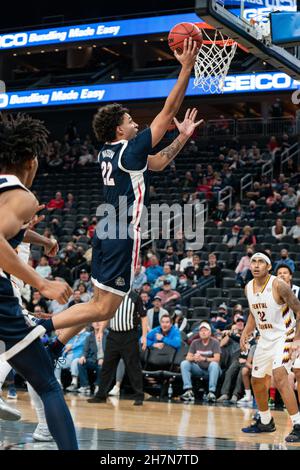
(106, 174)
(262, 316)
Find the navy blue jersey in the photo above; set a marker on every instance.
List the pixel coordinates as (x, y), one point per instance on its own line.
(124, 172)
(8, 183)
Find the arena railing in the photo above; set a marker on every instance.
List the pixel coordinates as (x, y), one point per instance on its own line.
(246, 182)
(290, 153)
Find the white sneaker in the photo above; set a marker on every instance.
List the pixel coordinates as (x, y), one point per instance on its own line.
(245, 399)
(115, 392)
(85, 390)
(7, 412)
(42, 434)
(72, 388)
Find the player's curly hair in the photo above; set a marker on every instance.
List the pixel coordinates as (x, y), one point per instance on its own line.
(106, 121)
(21, 138)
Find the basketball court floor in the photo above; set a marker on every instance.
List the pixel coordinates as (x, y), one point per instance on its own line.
(118, 425)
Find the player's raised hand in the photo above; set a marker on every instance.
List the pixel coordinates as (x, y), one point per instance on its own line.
(189, 124)
(56, 290)
(189, 54)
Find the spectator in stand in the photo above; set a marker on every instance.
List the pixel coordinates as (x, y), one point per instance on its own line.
(233, 379)
(215, 268)
(232, 238)
(188, 183)
(244, 266)
(203, 186)
(202, 360)
(70, 203)
(277, 206)
(187, 261)
(221, 320)
(155, 313)
(37, 299)
(179, 245)
(139, 278)
(284, 259)
(273, 146)
(84, 294)
(85, 158)
(237, 214)
(252, 213)
(81, 229)
(166, 276)
(70, 357)
(295, 230)
(290, 199)
(76, 298)
(57, 203)
(84, 278)
(194, 272)
(276, 110)
(145, 297)
(167, 295)
(154, 270)
(165, 334)
(71, 255)
(171, 259)
(60, 270)
(278, 230)
(43, 268)
(92, 227)
(220, 214)
(246, 375)
(184, 284)
(91, 358)
(55, 228)
(205, 281)
(248, 238)
(179, 320)
(256, 191)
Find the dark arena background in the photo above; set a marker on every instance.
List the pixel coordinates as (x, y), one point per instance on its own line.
(239, 172)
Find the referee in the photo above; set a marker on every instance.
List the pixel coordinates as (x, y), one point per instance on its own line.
(123, 342)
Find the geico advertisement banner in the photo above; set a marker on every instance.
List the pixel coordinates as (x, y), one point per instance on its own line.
(85, 32)
(276, 81)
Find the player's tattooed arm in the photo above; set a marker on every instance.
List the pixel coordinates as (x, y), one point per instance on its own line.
(162, 159)
(288, 296)
(186, 129)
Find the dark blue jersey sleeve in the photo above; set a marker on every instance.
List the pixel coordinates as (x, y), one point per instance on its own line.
(136, 153)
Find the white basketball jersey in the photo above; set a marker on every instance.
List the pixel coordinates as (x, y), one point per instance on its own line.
(273, 321)
(23, 251)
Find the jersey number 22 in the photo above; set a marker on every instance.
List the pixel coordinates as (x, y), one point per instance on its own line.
(106, 168)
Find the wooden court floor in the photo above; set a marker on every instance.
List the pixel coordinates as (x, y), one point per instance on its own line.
(154, 426)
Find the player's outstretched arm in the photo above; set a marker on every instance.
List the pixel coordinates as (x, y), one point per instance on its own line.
(16, 208)
(186, 129)
(162, 121)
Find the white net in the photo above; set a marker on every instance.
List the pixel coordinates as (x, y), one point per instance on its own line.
(213, 62)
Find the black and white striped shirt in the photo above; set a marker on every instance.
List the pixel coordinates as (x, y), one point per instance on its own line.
(129, 313)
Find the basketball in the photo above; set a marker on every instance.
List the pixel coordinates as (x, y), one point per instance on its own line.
(180, 32)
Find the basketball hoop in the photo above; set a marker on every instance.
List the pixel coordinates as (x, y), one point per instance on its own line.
(213, 62)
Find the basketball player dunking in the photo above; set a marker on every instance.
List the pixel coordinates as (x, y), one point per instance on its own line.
(271, 304)
(125, 163)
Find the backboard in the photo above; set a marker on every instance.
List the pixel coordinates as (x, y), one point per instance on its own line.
(248, 23)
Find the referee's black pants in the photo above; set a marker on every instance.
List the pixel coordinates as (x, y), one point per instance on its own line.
(125, 345)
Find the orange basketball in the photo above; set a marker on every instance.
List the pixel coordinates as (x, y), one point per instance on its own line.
(180, 32)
